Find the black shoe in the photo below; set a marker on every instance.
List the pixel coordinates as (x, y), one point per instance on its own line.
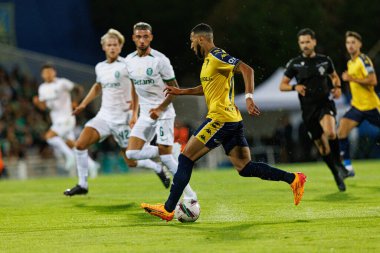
(345, 173)
(76, 190)
(340, 183)
(164, 178)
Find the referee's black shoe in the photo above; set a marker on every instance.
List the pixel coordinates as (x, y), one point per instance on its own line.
(339, 182)
(165, 179)
(76, 190)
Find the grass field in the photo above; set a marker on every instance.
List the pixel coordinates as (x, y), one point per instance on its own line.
(238, 214)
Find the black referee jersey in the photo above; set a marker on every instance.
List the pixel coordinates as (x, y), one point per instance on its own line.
(313, 72)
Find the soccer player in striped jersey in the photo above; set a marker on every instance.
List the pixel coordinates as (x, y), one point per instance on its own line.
(365, 104)
(117, 113)
(223, 125)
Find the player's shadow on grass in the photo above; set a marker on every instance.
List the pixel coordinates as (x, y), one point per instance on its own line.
(336, 196)
(108, 208)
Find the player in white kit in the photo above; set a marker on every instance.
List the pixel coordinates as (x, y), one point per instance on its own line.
(117, 113)
(150, 71)
(54, 94)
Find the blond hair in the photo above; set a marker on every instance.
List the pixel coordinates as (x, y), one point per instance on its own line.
(112, 33)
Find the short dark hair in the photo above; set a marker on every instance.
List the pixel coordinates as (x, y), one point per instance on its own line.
(354, 34)
(48, 65)
(202, 28)
(142, 26)
(306, 31)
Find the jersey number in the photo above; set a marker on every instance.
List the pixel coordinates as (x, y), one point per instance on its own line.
(124, 134)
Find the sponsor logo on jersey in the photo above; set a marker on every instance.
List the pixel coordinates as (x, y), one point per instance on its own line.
(110, 85)
(206, 79)
(143, 81)
(149, 71)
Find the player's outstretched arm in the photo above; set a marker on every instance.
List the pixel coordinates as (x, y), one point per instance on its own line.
(92, 94)
(196, 91)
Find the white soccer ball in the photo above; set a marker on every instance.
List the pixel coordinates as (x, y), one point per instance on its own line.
(187, 210)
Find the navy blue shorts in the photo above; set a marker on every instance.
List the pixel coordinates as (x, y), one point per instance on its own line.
(213, 133)
(372, 116)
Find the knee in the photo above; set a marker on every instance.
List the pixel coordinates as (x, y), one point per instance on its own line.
(240, 165)
(324, 150)
(131, 163)
(330, 134)
(164, 149)
(341, 133)
(80, 145)
(132, 154)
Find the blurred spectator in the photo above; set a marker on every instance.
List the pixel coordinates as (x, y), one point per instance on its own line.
(283, 138)
(22, 126)
(181, 133)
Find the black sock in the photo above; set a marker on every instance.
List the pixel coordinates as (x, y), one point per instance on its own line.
(329, 160)
(180, 180)
(335, 151)
(266, 172)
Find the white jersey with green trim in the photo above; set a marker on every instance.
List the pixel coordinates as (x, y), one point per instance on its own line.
(148, 74)
(116, 91)
(57, 97)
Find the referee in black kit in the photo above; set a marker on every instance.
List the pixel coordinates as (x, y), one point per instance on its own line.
(316, 79)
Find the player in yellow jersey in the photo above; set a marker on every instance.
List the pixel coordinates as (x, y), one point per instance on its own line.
(223, 125)
(365, 104)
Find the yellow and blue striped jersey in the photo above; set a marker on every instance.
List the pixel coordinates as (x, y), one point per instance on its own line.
(364, 97)
(217, 78)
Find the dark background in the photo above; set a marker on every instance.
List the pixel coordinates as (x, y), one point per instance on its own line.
(261, 33)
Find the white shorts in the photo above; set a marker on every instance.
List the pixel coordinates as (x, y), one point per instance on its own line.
(145, 129)
(65, 128)
(120, 132)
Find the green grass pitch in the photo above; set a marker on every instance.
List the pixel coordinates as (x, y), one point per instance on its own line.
(237, 214)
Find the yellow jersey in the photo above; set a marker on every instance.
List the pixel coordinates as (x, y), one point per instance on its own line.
(217, 78)
(364, 97)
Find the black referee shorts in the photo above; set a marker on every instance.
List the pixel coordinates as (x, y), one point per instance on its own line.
(312, 115)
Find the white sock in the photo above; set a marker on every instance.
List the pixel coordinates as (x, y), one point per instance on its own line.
(57, 143)
(147, 152)
(169, 161)
(92, 168)
(150, 165)
(82, 165)
(172, 165)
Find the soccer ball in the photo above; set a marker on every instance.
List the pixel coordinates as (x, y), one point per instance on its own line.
(187, 210)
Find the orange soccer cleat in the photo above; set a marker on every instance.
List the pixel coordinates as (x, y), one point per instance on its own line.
(298, 186)
(158, 210)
